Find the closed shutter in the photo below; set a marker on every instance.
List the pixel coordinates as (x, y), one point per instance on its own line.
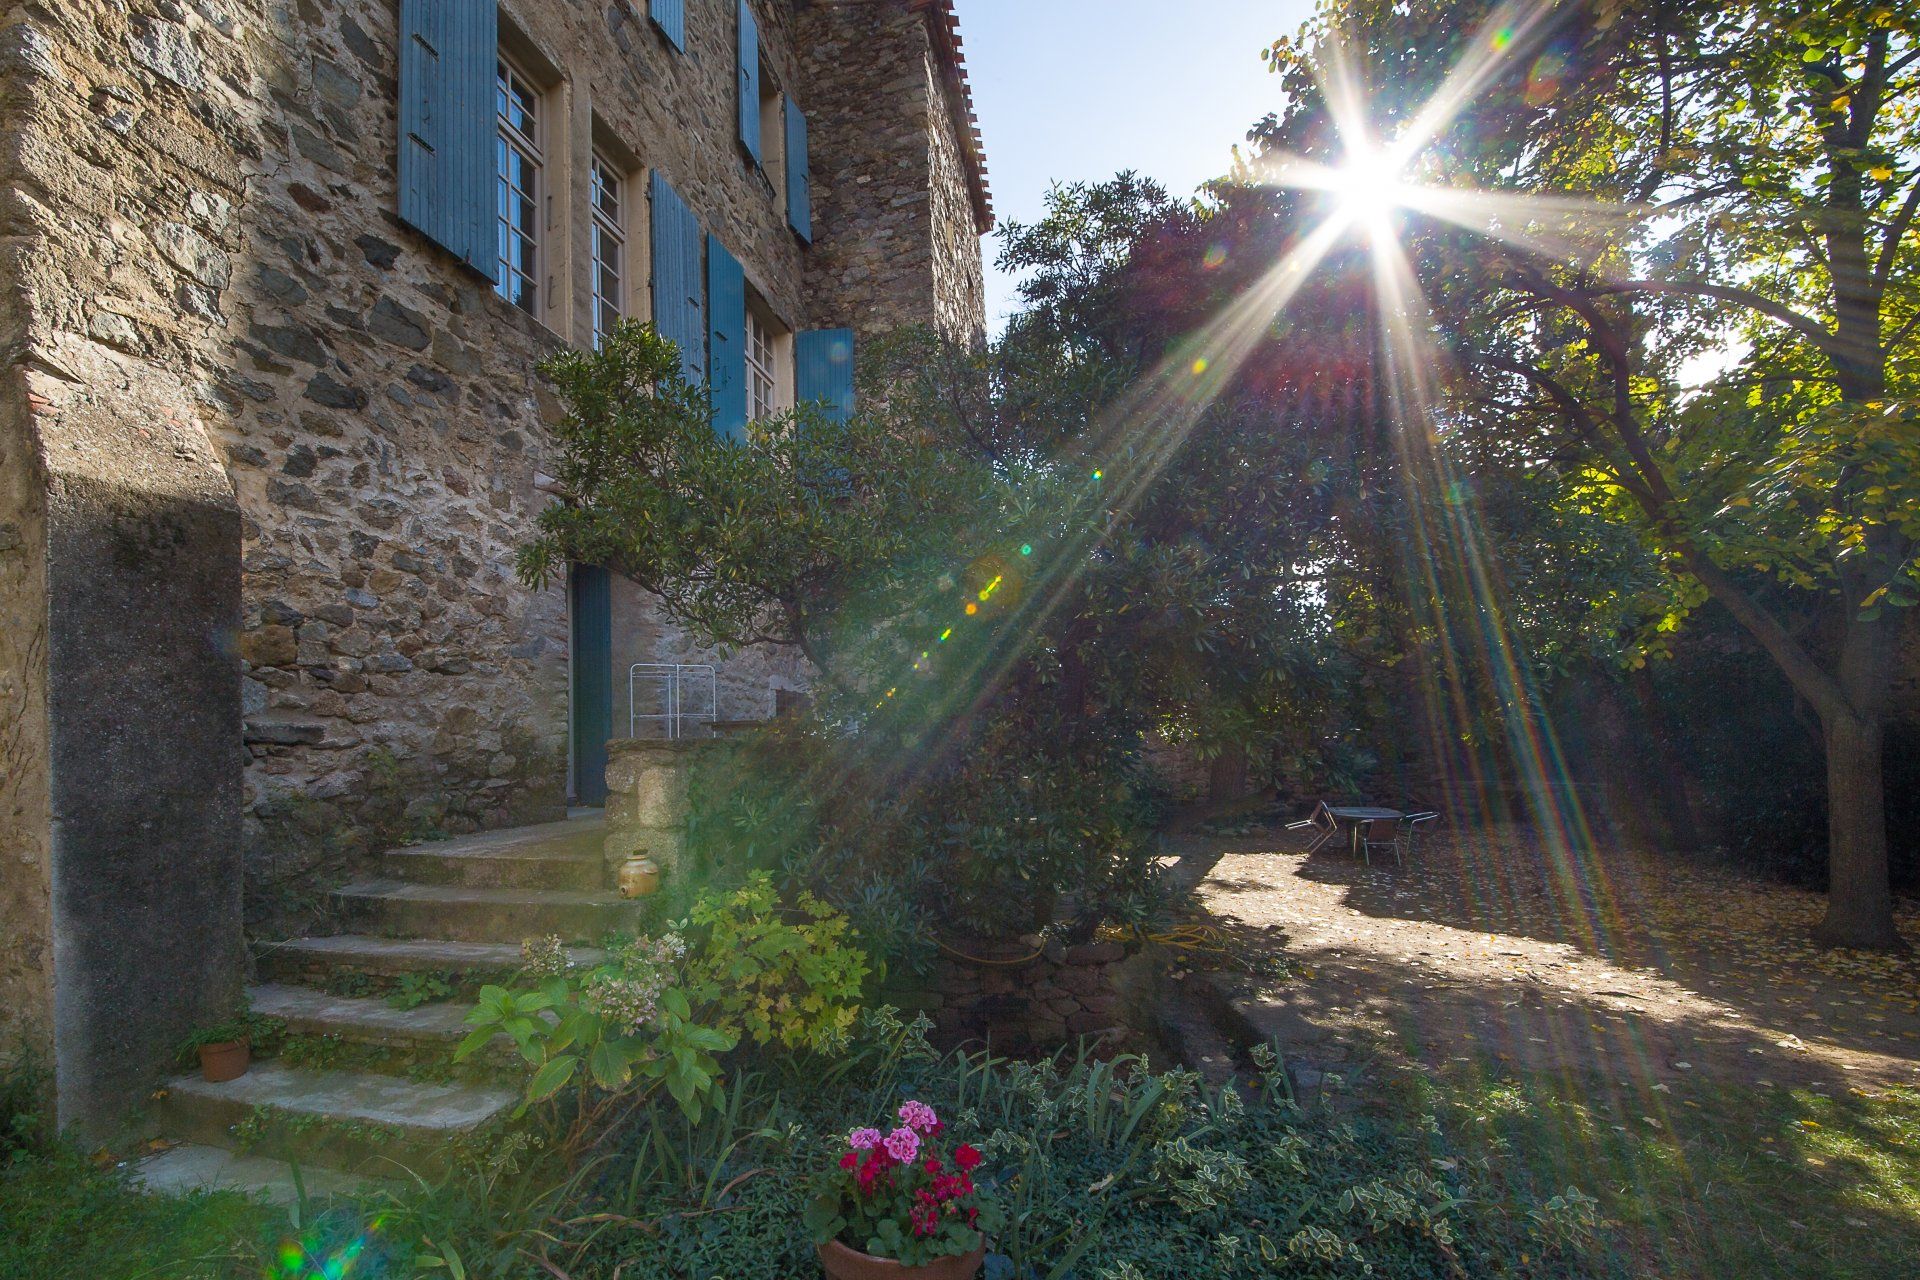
(679, 312)
(727, 340)
(749, 81)
(447, 57)
(799, 198)
(823, 369)
(671, 17)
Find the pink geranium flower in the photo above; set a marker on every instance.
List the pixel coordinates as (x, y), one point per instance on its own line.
(903, 1145)
(864, 1139)
(919, 1117)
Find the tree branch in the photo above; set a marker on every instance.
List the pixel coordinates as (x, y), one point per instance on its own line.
(1813, 330)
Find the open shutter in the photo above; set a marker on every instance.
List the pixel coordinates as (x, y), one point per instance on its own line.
(671, 17)
(823, 369)
(727, 340)
(799, 199)
(447, 59)
(749, 60)
(678, 290)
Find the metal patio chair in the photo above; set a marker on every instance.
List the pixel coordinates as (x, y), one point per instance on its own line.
(1324, 824)
(1380, 833)
(1418, 824)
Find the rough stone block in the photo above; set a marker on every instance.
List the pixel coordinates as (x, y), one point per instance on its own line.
(1096, 953)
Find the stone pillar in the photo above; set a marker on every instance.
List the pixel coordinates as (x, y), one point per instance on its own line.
(647, 799)
(119, 598)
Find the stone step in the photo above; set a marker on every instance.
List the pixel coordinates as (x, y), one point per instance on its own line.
(312, 960)
(552, 855)
(362, 1019)
(502, 869)
(463, 913)
(351, 1121)
(190, 1167)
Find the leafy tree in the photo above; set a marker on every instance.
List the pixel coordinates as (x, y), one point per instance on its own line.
(1752, 172)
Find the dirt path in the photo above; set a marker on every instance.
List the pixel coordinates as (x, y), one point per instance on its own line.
(1486, 946)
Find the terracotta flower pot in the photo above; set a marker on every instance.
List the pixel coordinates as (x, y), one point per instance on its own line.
(224, 1061)
(842, 1263)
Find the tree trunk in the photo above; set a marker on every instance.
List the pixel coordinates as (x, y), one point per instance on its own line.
(1859, 902)
(1859, 899)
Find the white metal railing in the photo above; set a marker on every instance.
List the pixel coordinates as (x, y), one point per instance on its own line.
(688, 694)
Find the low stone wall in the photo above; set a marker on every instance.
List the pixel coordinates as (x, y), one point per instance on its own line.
(1022, 1000)
(647, 799)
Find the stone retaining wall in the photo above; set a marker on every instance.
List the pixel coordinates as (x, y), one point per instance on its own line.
(1022, 1003)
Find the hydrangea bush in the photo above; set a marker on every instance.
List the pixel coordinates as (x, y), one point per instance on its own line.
(905, 1194)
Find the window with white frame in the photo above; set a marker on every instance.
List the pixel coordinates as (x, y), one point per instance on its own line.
(766, 387)
(609, 248)
(518, 166)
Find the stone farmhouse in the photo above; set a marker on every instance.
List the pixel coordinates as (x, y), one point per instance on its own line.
(274, 277)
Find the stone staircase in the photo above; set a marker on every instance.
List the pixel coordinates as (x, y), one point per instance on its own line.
(364, 1090)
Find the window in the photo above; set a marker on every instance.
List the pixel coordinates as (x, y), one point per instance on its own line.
(773, 133)
(766, 366)
(517, 167)
(609, 248)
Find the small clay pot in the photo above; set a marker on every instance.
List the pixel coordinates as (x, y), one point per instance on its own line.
(639, 876)
(842, 1263)
(225, 1061)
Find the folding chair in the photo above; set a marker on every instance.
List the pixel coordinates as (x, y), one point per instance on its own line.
(1324, 824)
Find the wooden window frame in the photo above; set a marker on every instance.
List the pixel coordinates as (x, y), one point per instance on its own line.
(511, 138)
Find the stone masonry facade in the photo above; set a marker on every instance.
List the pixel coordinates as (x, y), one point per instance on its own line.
(212, 314)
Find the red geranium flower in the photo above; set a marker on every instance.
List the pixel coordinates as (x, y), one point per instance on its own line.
(966, 1157)
(850, 1159)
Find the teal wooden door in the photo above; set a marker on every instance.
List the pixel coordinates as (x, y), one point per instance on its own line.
(592, 591)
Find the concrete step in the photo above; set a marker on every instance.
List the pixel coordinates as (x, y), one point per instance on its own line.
(313, 960)
(552, 855)
(192, 1166)
(362, 1019)
(351, 1121)
(399, 908)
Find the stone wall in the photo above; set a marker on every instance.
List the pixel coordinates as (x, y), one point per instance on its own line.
(747, 682)
(119, 598)
(26, 959)
(889, 250)
(1021, 1002)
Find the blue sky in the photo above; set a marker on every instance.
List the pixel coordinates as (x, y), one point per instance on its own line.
(1079, 89)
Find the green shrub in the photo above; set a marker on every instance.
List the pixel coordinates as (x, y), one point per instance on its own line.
(789, 978)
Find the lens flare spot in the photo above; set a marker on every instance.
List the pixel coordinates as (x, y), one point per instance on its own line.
(1214, 256)
(1098, 475)
(1545, 78)
(1199, 366)
(972, 608)
(945, 634)
(1026, 548)
(1502, 39)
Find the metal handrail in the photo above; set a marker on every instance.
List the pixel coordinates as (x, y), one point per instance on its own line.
(674, 679)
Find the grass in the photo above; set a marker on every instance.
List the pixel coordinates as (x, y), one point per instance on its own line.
(65, 1217)
(1121, 1176)
(1708, 1179)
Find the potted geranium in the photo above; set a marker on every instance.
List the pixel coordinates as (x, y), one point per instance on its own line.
(903, 1203)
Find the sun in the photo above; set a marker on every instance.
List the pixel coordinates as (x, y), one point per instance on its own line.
(1368, 187)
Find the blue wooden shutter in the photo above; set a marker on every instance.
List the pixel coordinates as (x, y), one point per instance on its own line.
(749, 81)
(678, 290)
(447, 57)
(823, 369)
(799, 199)
(727, 340)
(671, 17)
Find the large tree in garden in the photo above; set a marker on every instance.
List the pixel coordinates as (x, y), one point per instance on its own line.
(1605, 201)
